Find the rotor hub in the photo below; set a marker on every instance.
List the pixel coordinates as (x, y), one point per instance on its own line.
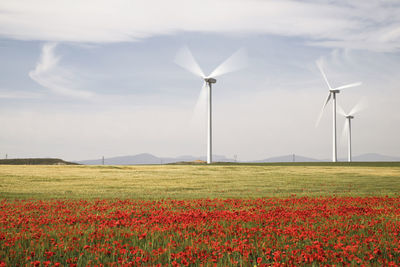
(210, 80)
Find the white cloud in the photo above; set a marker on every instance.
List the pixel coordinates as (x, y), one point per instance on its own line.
(12, 94)
(59, 80)
(372, 24)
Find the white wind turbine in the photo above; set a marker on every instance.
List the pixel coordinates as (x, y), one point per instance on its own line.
(347, 124)
(332, 94)
(185, 59)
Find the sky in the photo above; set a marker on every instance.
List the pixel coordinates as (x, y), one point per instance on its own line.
(85, 79)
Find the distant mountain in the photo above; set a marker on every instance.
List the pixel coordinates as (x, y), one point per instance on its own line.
(288, 158)
(375, 157)
(143, 158)
(146, 158)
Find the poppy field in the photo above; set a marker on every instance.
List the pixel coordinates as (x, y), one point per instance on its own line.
(237, 232)
(260, 215)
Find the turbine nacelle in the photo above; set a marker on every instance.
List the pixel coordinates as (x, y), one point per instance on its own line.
(357, 108)
(334, 91)
(210, 80)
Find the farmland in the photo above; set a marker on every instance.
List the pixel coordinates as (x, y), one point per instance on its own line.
(180, 215)
(199, 181)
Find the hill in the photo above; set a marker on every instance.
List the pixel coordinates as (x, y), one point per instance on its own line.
(288, 158)
(146, 158)
(143, 158)
(35, 161)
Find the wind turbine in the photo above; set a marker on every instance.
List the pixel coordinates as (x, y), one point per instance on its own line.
(347, 124)
(185, 59)
(332, 94)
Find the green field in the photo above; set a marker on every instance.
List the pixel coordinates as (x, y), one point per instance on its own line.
(199, 181)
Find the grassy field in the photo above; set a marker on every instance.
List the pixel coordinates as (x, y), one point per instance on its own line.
(199, 181)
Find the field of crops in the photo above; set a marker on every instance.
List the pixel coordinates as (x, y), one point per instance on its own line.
(194, 181)
(290, 215)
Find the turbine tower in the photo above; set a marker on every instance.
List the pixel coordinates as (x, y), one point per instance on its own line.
(209, 82)
(332, 94)
(348, 119)
(185, 59)
(347, 124)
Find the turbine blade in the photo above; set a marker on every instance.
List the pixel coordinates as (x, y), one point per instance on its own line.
(185, 59)
(348, 86)
(322, 110)
(200, 109)
(340, 110)
(361, 105)
(235, 62)
(323, 74)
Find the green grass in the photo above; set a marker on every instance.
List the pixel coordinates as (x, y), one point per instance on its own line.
(199, 181)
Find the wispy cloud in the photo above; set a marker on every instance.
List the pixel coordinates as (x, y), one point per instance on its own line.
(50, 75)
(372, 25)
(8, 94)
